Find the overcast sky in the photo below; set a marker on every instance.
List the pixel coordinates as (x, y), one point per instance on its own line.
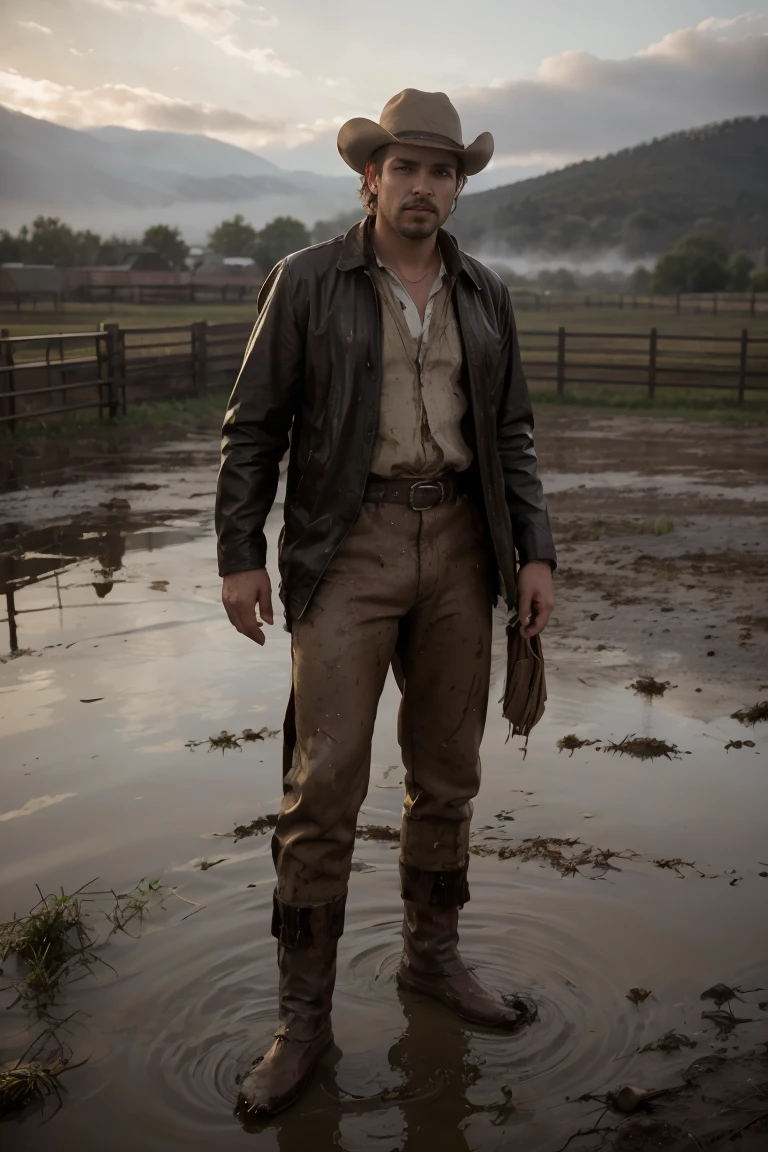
(554, 80)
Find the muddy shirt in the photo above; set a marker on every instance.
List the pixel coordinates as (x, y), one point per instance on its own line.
(422, 400)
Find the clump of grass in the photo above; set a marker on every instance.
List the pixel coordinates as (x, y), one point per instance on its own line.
(643, 748)
(204, 865)
(753, 715)
(571, 742)
(647, 686)
(34, 1077)
(134, 905)
(53, 944)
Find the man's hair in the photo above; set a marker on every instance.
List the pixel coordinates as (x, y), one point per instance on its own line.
(369, 198)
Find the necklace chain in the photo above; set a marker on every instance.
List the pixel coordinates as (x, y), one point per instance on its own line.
(408, 281)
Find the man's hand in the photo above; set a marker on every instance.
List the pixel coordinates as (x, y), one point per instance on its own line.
(241, 592)
(535, 596)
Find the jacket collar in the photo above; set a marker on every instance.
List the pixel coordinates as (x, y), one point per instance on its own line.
(357, 252)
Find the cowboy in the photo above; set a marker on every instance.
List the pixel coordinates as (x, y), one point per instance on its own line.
(388, 359)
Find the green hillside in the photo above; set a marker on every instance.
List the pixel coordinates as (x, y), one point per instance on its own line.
(640, 200)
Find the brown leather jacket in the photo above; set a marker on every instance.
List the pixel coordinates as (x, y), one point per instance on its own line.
(313, 365)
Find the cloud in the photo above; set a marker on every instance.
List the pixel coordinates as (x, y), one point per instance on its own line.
(209, 16)
(139, 108)
(213, 18)
(33, 26)
(260, 59)
(580, 105)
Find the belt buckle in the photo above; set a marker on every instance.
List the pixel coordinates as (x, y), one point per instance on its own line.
(437, 488)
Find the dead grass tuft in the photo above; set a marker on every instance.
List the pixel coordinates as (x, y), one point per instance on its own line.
(647, 686)
(571, 742)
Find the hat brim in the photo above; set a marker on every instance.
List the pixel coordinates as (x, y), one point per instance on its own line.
(359, 138)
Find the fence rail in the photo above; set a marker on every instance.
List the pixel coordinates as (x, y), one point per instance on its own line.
(108, 369)
(682, 304)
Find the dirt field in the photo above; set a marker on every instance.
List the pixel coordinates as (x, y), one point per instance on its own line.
(619, 869)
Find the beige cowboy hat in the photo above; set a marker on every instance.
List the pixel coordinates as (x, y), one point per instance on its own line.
(427, 119)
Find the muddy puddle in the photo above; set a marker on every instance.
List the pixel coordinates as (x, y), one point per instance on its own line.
(114, 768)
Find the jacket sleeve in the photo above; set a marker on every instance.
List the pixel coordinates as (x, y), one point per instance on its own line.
(524, 493)
(256, 428)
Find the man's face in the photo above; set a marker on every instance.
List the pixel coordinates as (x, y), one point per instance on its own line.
(415, 188)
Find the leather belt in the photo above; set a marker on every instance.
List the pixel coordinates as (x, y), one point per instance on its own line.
(420, 495)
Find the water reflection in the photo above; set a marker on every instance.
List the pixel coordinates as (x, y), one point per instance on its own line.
(29, 556)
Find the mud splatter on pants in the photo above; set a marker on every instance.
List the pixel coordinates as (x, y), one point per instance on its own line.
(413, 587)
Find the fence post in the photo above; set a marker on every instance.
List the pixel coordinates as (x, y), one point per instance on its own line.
(652, 365)
(743, 354)
(115, 367)
(714, 303)
(560, 361)
(10, 383)
(752, 305)
(10, 604)
(678, 304)
(200, 355)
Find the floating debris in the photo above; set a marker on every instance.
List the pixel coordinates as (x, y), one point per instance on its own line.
(647, 686)
(725, 1021)
(159, 585)
(643, 748)
(721, 994)
(670, 1042)
(378, 832)
(228, 740)
(552, 850)
(638, 995)
(739, 744)
(204, 865)
(752, 715)
(571, 742)
(676, 864)
(16, 654)
(256, 827)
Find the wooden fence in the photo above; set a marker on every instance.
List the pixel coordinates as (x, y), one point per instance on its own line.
(110, 368)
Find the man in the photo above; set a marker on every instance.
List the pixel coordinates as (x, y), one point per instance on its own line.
(392, 360)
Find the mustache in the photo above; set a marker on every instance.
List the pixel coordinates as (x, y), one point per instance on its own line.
(424, 205)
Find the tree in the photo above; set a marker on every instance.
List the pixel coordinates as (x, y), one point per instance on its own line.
(233, 237)
(697, 263)
(277, 239)
(639, 281)
(169, 242)
(740, 270)
(556, 280)
(51, 242)
(759, 281)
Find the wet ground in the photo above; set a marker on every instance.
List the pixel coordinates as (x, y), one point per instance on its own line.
(663, 542)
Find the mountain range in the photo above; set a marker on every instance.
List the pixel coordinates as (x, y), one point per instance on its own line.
(635, 202)
(121, 180)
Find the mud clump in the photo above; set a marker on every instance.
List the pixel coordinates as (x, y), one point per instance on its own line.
(647, 686)
(739, 744)
(571, 742)
(643, 748)
(753, 715)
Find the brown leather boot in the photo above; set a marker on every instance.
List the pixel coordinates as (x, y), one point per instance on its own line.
(306, 954)
(432, 965)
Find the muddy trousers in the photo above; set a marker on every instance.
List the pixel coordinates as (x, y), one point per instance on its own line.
(410, 589)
